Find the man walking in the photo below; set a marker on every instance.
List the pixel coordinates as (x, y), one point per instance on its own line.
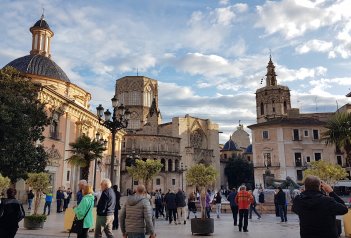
(105, 210)
(59, 200)
(48, 200)
(171, 207)
(243, 199)
(233, 205)
(317, 211)
(181, 204)
(136, 216)
(281, 201)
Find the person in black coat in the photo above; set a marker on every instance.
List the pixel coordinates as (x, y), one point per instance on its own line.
(281, 202)
(12, 213)
(59, 200)
(117, 207)
(170, 200)
(317, 211)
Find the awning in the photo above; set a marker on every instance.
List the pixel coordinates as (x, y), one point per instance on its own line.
(343, 183)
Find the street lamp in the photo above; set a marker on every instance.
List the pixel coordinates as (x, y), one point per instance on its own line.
(120, 117)
(131, 162)
(103, 142)
(181, 169)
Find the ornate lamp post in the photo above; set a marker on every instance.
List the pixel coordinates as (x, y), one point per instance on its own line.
(104, 143)
(181, 169)
(131, 162)
(120, 117)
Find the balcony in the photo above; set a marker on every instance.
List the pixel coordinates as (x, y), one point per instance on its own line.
(55, 135)
(263, 165)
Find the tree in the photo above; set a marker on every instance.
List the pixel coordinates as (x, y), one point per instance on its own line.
(22, 122)
(40, 183)
(84, 151)
(145, 170)
(4, 183)
(329, 173)
(239, 171)
(201, 176)
(339, 133)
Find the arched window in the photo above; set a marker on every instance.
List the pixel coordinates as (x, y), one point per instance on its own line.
(262, 108)
(163, 162)
(170, 165)
(54, 126)
(285, 107)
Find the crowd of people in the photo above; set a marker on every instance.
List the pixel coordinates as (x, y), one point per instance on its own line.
(316, 206)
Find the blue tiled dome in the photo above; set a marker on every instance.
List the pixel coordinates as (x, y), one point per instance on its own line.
(249, 149)
(42, 24)
(39, 65)
(229, 146)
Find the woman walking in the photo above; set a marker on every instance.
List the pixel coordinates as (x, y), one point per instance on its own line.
(85, 208)
(191, 204)
(218, 202)
(30, 199)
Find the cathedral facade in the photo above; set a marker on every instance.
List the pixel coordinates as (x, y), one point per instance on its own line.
(67, 105)
(178, 144)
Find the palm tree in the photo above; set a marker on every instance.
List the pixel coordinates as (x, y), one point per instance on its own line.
(339, 133)
(84, 151)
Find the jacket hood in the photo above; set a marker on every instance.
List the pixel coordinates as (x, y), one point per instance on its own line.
(135, 199)
(310, 200)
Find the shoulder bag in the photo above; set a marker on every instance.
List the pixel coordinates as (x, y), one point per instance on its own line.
(77, 225)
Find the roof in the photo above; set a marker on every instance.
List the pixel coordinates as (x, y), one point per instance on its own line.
(229, 146)
(249, 149)
(290, 121)
(348, 95)
(41, 23)
(39, 65)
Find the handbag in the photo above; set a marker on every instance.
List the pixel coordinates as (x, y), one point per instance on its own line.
(77, 225)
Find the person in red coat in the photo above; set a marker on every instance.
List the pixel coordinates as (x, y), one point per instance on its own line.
(243, 199)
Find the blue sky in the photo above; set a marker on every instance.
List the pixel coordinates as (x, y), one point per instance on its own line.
(208, 56)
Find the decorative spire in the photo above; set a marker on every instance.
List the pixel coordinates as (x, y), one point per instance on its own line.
(153, 108)
(271, 79)
(42, 15)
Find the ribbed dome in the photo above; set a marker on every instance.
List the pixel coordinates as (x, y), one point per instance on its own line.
(42, 24)
(229, 146)
(39, 65)
(248, 149)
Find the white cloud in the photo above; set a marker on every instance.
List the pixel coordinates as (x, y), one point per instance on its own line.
(314, 45)
(290, 75)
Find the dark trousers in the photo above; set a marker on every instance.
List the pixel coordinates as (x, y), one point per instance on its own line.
(243, 214)
(276, 210)
(172, 212)
(159, 210)
(282, 212)
(84, 233)
(115, 221)
(208, 212)
(8, 232)
(253, 209)
(235, 214)
(59, 204)
(47, 205)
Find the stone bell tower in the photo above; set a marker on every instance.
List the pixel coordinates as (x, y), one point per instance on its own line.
(273, 100)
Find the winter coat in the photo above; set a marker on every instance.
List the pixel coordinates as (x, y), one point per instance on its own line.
(107, 203)
(170, 200)
(180, 199)
(80, 211)
(30, 195)
(281, 199)
(243, 199)
(317, 213)
(12, 213)
(136, 216)
(218, 198)
(261, 197)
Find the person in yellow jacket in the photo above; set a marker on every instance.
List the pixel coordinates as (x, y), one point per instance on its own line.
(86, 205)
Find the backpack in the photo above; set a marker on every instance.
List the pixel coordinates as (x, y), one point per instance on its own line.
(261, 198)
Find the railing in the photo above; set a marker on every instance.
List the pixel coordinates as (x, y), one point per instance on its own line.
(263, 165)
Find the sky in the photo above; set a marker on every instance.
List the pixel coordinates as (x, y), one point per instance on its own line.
(208, 56)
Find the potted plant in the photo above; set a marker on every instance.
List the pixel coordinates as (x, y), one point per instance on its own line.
(39, 182)
(201, 176)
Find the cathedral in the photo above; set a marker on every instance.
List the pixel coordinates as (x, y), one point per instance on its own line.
(178, 144)
(67, 106)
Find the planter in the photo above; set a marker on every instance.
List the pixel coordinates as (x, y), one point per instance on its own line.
(202, 226)
(32, 224)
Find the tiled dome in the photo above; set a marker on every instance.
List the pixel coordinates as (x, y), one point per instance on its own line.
(39, 65)
(229, 146)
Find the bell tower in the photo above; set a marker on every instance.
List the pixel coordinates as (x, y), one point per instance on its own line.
(273, 100)
(41, 38)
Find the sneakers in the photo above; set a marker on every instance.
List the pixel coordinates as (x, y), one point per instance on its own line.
(246, 230)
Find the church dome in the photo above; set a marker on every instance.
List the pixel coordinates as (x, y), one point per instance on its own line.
(42, 24)
(249, 149)
(230, 146)
(39, 65)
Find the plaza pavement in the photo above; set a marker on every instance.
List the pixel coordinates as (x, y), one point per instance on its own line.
(267, 227)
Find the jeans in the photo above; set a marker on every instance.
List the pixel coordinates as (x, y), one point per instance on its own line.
(59, 205)
(282, 213)
(208, 212)
(253, 209)
(243, 214)
(30, 203)
(104, 223)
(47, 205)
(159, 210)
(135, 235)
(235, 214)
(218, 209)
